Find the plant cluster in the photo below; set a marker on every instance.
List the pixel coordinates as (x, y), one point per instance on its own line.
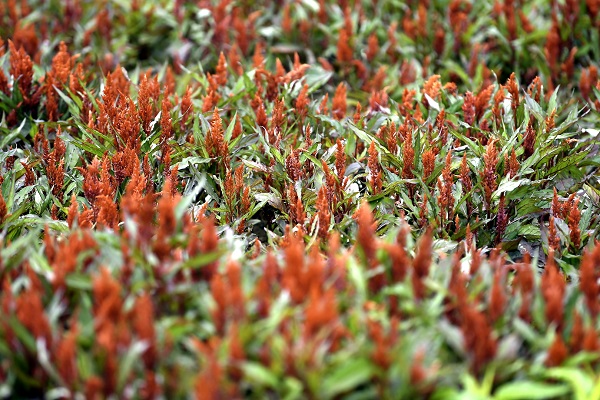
(191, 202)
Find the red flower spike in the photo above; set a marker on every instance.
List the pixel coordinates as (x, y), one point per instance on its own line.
(51, 99)
(166, 211)
(234, 59)
(593, 7)
(218, 289)
(61, 65)
(432, 88)
(374, 169)
(210, 101)
(209, 381)
(574, 218)
(488, 175)
(556, 208)
(428, 160)
(439, 41)
(215, 142)
(293, 272)
(302, 102)
(65, 256)
(124, 162)
(553, 288)
(513, 89)
(340, 160)
(557, 352)
(236, 294)
(421, 264)
(344, 51)
(21, 68)
(372, 47)
(321, 312)
(94, 388)
(588, 280)
(143, 325)
(587, 80)
(338, 107)
(482, 100)
(400, 261)
(468, 108)
(29, 311)
(511, 164)
(267, 284)
(553, 238)
(107, 212)
(3, 210)
(407, 76)
(324, 213)
(497, 105)
(332, 186)
(423, 213)
(383, 343)
(442, 127)
(65, 356)
(590, 340)
(498, 297)
(108, 311)
(475, 262)
(297, 215)
(408, 156)
(258, 58)
(524, 281)
(278, 118)
(457, 288)
(550, 124)
(577, 334)
(529, 139)
(166, 123)
(293, 166)
(261, 114)
(567, 206)
(446, 198)
(3, 79)
(366, 237)
(237, 354)
(169, 82)
(221, 70)
(478, 336)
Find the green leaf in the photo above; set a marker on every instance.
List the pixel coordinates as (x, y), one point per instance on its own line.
(260, 375)
(8, 139)
(194, 160)
(530, 232)
(79, 281)
(22, 333)
(346, 377)
(367, 139)
(508, 186)
(530, 390)
(580, 383)
(316, 77)
(132, 357)
(197, 262)
(566, 163)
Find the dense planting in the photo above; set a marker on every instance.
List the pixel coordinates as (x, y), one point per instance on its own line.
(299, 200)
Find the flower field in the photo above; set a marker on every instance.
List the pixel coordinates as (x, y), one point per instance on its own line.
(299, 199)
